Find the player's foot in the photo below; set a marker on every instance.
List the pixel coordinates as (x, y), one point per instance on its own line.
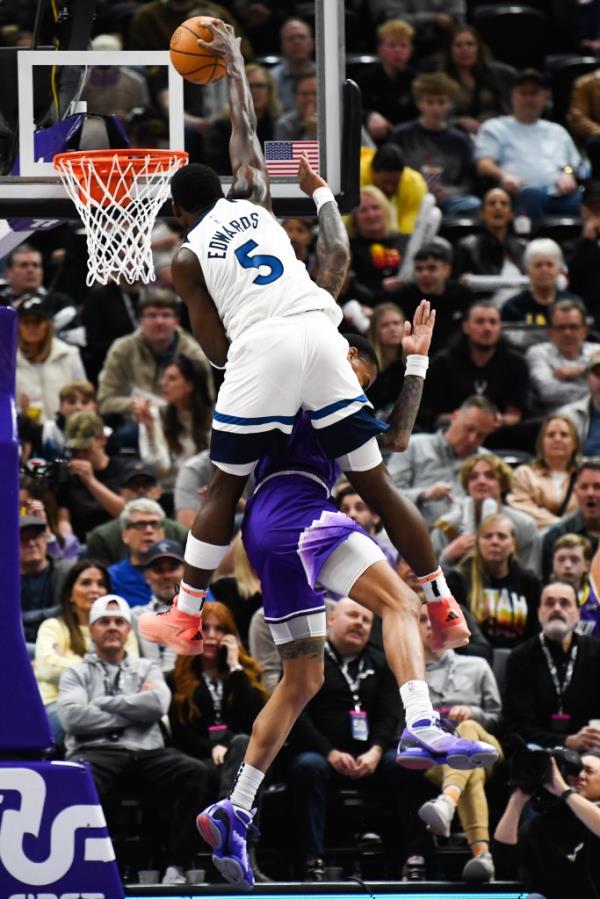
(448, 626)
(426, 744)
(178, 630)
(225, 828)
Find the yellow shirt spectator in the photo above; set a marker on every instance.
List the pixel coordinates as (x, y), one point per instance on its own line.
(404, 189)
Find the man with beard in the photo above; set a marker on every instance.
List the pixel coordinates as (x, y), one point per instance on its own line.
(551, 680)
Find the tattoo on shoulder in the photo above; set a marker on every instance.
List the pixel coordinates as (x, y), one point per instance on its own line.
(311, 646)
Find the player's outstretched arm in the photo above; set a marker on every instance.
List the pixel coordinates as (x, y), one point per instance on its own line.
(333, 246)
(207, 326)
(416, 343)
(250, 178)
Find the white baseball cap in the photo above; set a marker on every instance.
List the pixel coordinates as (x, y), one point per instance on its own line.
(101, 608)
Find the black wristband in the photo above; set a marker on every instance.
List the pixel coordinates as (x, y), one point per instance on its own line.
(566, 793)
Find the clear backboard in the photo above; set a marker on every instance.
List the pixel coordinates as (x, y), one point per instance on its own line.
(155, 107)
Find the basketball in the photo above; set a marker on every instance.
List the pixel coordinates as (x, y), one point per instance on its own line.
(195, 63)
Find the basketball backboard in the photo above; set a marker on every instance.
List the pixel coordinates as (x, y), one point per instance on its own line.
(32, 189)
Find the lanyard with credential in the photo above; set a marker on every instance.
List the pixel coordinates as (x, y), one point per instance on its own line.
(353, 683)
(215, 688)
(561, 689)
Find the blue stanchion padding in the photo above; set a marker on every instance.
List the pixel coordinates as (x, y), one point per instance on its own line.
(23, 722)
(53, 836)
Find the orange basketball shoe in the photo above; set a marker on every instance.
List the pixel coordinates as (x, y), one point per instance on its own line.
(178, 630)
(448, 626)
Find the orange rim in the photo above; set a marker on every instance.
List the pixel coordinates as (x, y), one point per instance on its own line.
(103, 159)
(117, 182)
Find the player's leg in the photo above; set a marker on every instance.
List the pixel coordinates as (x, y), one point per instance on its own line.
(408, 532)
(338, 408)
(257, 403)
(226, 824)
(206, 547)
(357, 568)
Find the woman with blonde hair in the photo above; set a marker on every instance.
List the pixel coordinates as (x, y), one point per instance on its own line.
(376, 247)
(386, 331)
(501, 594)
(216, 697)
(486, 480)
(543, 488)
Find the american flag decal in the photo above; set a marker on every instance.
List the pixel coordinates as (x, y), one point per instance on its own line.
(282, 156)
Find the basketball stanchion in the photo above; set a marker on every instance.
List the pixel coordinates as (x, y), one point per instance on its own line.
(118, 194)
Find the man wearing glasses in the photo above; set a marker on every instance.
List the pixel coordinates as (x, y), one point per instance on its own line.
(558, 367)
(142, 524)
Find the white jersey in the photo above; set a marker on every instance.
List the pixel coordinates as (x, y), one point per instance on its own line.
(250, 268)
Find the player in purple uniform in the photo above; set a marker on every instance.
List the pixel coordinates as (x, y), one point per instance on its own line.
(285, 360)
(299, 544)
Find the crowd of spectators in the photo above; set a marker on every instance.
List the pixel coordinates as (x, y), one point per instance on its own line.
(115, 397)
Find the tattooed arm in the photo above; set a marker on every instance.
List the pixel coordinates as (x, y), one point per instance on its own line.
(416, 340)
(250, 178)
(333, 247)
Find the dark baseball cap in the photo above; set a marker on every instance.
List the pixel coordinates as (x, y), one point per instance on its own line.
(531, 75)
(34, 304)
(138, 470)
(163, 549)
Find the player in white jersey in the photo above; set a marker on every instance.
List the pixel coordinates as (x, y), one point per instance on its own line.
(256, 312)
(251, 283)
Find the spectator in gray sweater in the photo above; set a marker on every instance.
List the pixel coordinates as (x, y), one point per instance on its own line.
(558, 367)
(428, 471)
(110, 706)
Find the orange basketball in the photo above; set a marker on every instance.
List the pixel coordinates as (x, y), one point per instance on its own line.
(195, 63)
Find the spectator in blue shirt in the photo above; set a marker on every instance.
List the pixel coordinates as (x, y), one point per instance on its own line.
(533, 159)
(142, 524)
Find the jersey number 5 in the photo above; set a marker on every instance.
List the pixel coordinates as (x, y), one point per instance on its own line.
(244, 258)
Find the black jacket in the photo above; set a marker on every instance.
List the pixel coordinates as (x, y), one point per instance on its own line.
(452, 377)
(484, 254)
(556, 855)
(583, 275)
(530, 697)
(325, 723)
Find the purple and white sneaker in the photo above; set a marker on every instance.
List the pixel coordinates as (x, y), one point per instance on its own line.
(225, 828)
(426, 744)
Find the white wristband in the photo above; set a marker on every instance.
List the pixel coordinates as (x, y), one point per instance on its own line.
(416, 365)
(321, 196)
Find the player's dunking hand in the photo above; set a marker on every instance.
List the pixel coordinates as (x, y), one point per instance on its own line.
(308, 178)
(417, 337)
(224, 42)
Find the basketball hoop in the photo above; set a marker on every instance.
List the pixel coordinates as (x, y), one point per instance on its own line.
(118, 194)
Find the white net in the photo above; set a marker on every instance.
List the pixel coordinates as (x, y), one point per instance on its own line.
(118, 196)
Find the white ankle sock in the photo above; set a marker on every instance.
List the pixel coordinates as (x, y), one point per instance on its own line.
(247, 782)
(416, 701)
(190, 599)
(434, 586)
